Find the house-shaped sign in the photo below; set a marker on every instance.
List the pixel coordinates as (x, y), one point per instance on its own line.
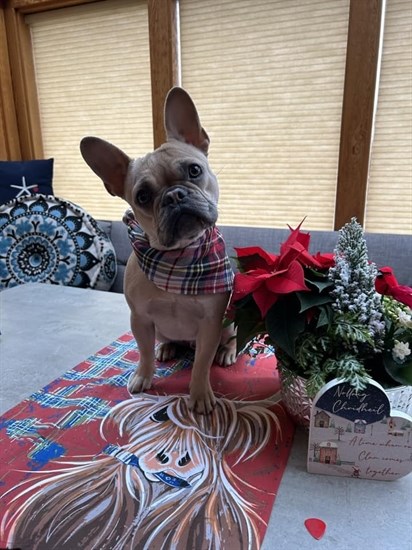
(356, 434)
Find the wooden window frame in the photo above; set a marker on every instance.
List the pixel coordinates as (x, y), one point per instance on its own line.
(20, 85)
(359, 97)
(9, 132)
(20, 117)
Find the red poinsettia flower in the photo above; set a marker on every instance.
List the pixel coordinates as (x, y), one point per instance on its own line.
(387, 284)
(325, 260)
(296, 247)
(254, 257)
(267, 286)
(268, 276)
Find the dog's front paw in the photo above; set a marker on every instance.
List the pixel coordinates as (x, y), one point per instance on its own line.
(138, 383)
(226, 354)
(202, 402)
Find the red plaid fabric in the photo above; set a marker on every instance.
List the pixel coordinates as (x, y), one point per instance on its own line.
(202, 267)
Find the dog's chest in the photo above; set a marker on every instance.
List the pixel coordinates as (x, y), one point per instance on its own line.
(173, 307)
(176, 317)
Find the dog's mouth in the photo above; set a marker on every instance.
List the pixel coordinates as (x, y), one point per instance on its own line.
(183, 217)
(184, 228)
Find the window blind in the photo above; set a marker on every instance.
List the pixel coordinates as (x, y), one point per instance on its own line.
(267, 77)
(389, 197)
(93, 78)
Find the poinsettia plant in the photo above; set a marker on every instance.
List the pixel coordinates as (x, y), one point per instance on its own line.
(331, 315)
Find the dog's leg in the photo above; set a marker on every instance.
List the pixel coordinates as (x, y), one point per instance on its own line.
(202, 399)
(226, 353)
(144, 334)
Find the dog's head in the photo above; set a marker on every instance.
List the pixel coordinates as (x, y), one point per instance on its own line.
(172, 191)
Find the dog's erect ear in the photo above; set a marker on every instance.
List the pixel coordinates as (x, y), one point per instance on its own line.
(182, 121)
(107, 161)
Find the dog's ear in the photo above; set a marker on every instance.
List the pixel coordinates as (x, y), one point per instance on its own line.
(107, 161)
(182, 121)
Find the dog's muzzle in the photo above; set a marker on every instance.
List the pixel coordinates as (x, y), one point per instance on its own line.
(174, 196)
(182, 212)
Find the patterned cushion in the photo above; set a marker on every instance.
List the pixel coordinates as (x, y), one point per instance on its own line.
(25, 178)
(46, 239)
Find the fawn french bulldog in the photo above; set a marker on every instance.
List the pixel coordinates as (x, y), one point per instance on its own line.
(178, 278)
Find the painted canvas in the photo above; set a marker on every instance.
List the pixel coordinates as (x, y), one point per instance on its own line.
(86, 465)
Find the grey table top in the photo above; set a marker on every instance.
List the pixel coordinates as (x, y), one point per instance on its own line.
(46, 330)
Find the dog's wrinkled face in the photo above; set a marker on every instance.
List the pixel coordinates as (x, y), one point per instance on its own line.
(173, 194)
(172, 191)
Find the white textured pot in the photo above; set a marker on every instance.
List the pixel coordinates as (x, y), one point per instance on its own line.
(295, 397)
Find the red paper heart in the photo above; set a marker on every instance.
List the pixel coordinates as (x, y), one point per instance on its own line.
(316, 527)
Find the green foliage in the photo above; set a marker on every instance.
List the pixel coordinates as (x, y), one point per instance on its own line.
(340, 327)
(325, 316)
(248, 322)
(401, 372)
(326, 346)
(353, 277)
(308, 300)
(351, 332)
(318, 280)
(284, 323)
(349, 368)
(396, 331)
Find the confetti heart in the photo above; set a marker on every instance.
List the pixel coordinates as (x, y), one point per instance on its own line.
(316, 527)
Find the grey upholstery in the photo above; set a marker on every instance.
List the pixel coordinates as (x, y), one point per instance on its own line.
(117, 232)
(384, 249)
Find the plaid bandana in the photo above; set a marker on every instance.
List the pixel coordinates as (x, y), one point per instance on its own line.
(202, 267)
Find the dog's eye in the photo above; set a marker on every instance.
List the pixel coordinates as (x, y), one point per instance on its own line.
(162, 457)
(143, 197)
(184, 460)
(194, 170)
(160, 416)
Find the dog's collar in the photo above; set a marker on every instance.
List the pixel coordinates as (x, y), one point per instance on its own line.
(131, 459)
(202, 267)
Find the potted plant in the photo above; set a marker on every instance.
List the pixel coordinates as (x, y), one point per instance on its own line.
(327, 316)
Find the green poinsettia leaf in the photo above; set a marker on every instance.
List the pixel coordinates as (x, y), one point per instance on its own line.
(248, 323)
(284, 323)
(400, 372)
(325, 316)
(321, 285)
(308, 300)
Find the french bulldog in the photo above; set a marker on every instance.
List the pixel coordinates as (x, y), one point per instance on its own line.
(178, 278)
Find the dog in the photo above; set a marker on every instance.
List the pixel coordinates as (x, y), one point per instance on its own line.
(178, 280)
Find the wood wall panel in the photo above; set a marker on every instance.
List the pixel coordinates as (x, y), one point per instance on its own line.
(34, 6)
(24, 84)
(9, 132)
(358, 109)
(163, 59)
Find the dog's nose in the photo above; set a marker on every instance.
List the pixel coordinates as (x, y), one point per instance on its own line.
(174, 196)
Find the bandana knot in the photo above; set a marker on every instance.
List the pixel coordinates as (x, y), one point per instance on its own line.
(202, 267)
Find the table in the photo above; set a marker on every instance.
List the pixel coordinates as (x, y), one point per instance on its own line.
(47, 329)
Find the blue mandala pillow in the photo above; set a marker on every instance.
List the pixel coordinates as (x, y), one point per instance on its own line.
(25, 178)
(48, 240)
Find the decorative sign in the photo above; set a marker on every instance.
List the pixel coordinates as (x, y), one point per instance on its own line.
(357, 433)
